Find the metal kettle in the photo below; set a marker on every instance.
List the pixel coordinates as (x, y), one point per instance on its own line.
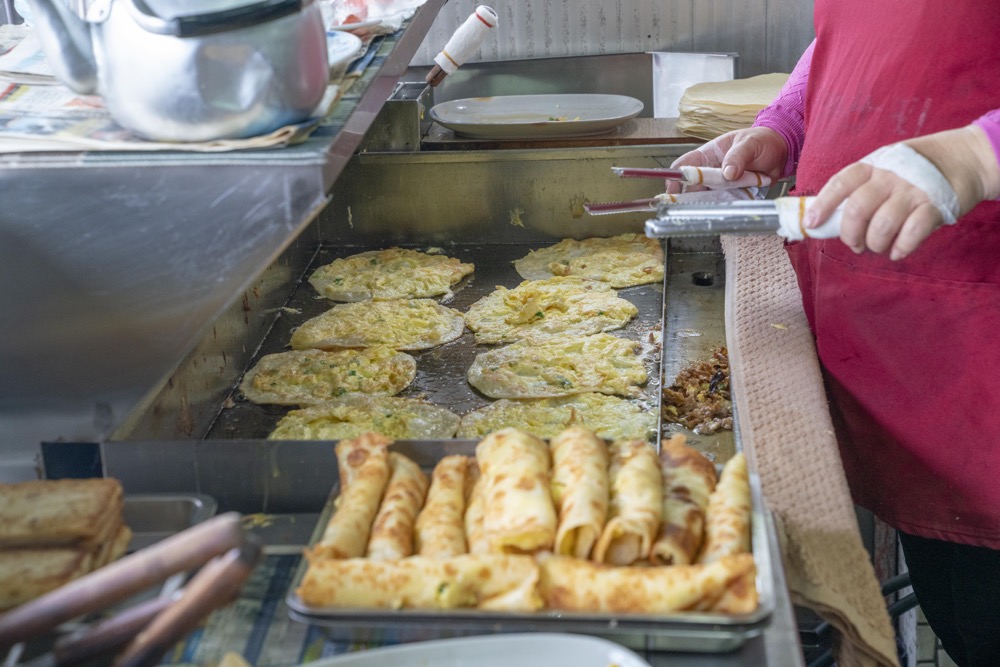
(191, 70)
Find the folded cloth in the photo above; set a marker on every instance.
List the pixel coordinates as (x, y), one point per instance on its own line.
(788, 436)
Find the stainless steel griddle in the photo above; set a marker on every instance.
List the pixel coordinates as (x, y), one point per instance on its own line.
(441, 371)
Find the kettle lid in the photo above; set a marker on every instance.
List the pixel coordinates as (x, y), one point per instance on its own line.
(192, 18)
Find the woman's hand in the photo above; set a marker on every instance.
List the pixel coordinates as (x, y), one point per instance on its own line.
(885, 213)
(753, 149)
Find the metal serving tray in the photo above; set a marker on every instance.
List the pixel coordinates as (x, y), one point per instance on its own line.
(687, 631)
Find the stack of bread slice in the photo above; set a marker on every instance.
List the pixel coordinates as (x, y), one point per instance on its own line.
(54, 531)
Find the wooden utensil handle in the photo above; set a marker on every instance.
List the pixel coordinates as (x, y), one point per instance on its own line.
(106, 636)
(99, 589)
(435, 76)
(215, 585)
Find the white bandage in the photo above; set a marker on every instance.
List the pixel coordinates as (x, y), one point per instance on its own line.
(919, 172)
(466, 40)
(901, 160)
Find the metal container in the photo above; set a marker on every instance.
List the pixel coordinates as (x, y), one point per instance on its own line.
(175, 70)
(155, 516)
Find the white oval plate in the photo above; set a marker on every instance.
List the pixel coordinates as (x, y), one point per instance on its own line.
(534, 116)
(342, 49)
(523, 650)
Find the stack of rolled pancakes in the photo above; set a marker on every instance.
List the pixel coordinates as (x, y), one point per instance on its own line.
(54, 531)
(575, 524)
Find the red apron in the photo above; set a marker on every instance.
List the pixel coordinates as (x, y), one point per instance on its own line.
(910, 349)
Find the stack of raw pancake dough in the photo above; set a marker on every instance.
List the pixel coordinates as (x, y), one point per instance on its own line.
(52, 532)
(713, 108)
(574, 524)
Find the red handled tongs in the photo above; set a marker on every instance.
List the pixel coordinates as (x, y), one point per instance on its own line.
(142, 634)
(709, 177)
(652, 203)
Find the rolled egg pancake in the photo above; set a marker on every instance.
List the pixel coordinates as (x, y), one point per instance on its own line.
(727, 518)
(486, 581)
(440, 528)
(573, 584)
(579, 490)
(353, 452)
(346, 534)
(475, 512)
(688, 481)
(392, 531)
(740, 596)
(636, 504)
(518, 514)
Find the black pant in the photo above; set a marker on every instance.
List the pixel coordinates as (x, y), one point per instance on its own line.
(958, 588)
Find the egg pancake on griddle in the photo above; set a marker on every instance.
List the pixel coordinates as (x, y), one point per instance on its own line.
(351, 416)
(561, 367)
(609, 417)
(402, 324)
(307, 377)
(537, 309)
(621, 261)
(394, 273)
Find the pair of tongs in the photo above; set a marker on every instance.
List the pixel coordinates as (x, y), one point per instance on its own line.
(751, 185)
(652, 203)
(144, 632)
(709, 177)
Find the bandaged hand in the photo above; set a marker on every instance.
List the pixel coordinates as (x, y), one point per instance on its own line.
(894, 198)
(758, 149)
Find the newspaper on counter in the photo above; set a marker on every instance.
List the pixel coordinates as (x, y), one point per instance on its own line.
(42, 118)
(38, 114)
(21, 57)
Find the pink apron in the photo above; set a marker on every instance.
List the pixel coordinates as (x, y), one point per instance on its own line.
(911, 349)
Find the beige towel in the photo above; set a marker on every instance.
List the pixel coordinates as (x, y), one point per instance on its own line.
(786, 429)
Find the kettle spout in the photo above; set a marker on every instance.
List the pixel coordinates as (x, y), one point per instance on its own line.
(66, 41)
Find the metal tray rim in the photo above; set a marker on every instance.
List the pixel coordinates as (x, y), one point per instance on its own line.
(739, 627)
